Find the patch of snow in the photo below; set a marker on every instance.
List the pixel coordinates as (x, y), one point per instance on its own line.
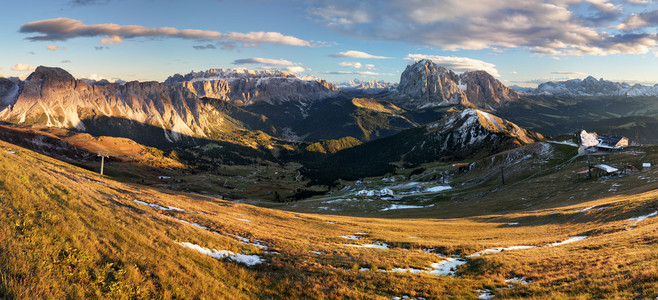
(413, 237)
(10, 151)
(586, 209)
(350, 237)
(193, 224)
(382, 192)
(376, 245)
(316, 252)
(364, 269)
(517, 280)
(568, 241)
(485, 294)
(642, 218)
(407, 270)
(243, 220)
(446, 267)
(436, 189)
(512, 223)
(160, 207)
(500, 249)
(249, 260)
(569, 143)
(331, 222)
(400, 206)
(588, 139)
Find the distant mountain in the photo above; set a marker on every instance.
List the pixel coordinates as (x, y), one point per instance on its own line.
(590, 86)
(369, 87)
(245, 87)
(466, 134)
(425, 84)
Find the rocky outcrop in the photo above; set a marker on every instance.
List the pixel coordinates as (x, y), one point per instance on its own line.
(245, 87)
(425, 84)
(485, 91)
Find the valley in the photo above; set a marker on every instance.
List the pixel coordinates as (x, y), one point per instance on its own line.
(291, 188)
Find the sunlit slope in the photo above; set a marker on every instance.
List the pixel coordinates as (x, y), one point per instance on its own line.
(65, 232)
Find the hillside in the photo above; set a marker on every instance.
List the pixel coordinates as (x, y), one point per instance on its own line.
(458, 135)
(91, 237)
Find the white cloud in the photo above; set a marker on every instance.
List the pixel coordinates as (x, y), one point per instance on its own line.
(115, 39)
(457, 64)
(295, 69)
(356, 65)
(55, 48)
(514, 72)
(635, 21)
(264, 61)
(23, 67)
(62, 29)
(546, 27)
(357, 54)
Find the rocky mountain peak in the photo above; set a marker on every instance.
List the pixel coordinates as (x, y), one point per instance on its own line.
(426, 84)
(50, 73)
(485, 91)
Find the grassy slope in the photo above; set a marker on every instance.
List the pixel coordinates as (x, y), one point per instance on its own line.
(64, 235)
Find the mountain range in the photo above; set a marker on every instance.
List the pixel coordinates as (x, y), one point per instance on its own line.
(590, 86)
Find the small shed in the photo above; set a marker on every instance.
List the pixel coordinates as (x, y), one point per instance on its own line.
(612, 142)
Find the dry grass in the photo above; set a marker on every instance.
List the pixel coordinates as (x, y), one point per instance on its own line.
(66, 233)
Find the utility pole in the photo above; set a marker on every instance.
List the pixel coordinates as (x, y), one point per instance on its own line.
(103, 155)
(502, 174)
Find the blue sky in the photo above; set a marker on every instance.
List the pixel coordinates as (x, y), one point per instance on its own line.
(521, 42)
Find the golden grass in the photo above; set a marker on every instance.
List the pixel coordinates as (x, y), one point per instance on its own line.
(66, 233)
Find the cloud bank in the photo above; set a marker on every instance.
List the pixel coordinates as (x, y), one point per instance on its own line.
(457, 64)
(23, 67)
(62, 29)
(357, 54)
(546, 27)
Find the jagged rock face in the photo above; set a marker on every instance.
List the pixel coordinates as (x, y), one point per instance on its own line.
(425, 84)
(592, 87)
(244, 87)
(53, 97)
(9, 91)
(485, 91)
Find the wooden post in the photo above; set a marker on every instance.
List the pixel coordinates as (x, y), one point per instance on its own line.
(103, 156)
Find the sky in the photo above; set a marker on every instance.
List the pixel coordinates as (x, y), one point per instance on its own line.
(520, 42)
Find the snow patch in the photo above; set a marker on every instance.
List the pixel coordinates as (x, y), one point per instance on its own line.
(642, 218)
(500, 249)
(400, 206)
(436, 189)
(376, 245)
(249, 260)
(160, 207)
(568, 241)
